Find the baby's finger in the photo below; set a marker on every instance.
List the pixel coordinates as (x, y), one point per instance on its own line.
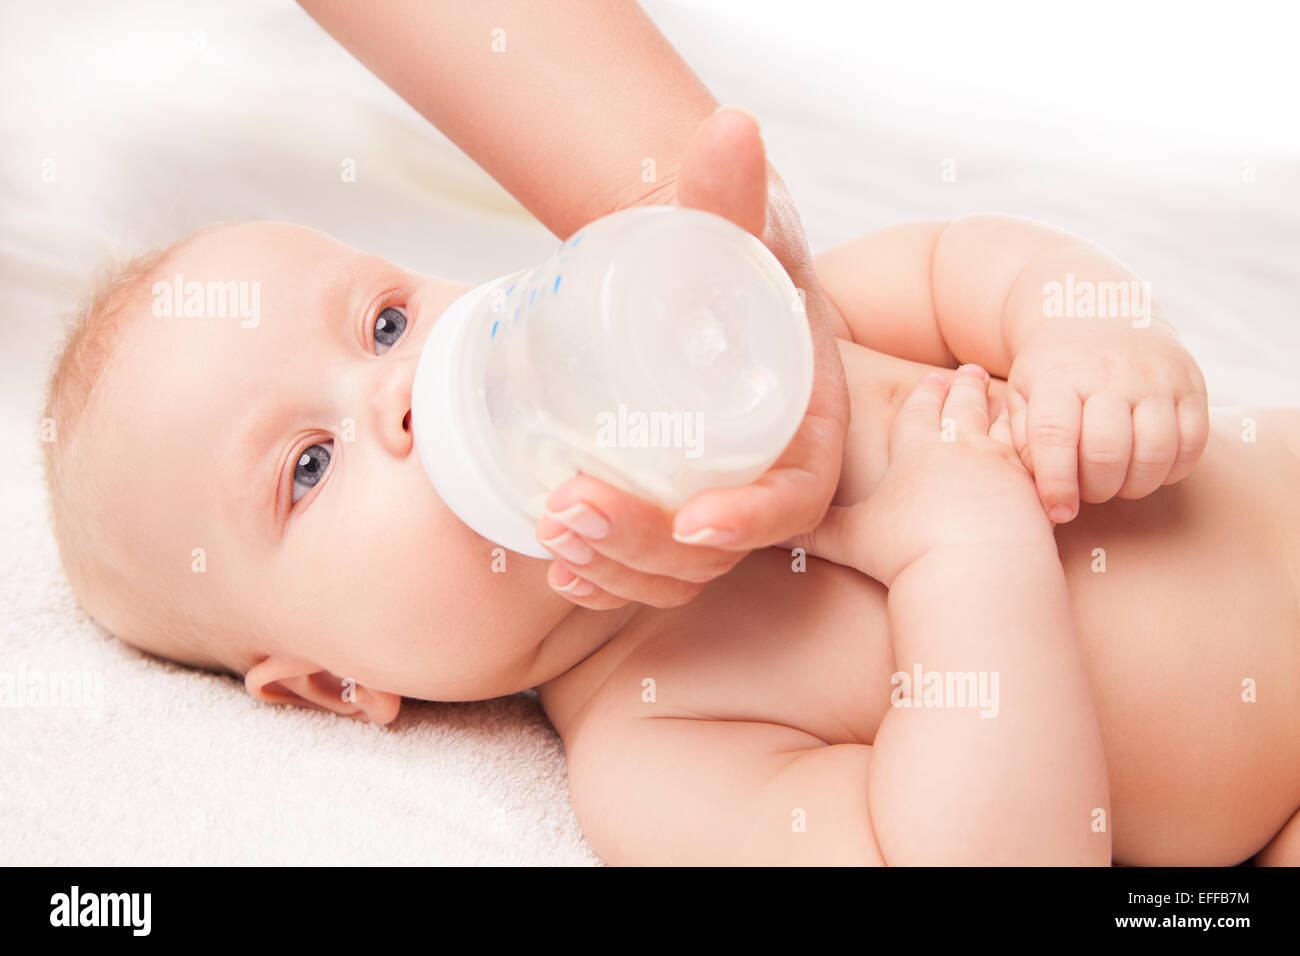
(1155, 446)
(1105, 446)
(1193, 434)
(1000, 430)
(1017, 408)
(918, 419)
(1053, 428)
(581, 591)
(967, 404)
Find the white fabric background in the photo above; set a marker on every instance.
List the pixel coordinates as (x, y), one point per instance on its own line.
(1131, 128)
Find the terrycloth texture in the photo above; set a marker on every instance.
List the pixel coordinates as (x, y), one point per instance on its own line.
(153, 119)
(231, 111)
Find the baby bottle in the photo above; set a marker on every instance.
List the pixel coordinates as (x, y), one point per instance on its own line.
(662, 350)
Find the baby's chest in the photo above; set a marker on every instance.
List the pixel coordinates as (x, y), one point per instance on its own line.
(780, 640)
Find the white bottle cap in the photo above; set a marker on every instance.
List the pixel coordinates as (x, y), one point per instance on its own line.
(469, 483)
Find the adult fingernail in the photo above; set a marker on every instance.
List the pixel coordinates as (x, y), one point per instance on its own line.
(711, 536)
(578, 587)
(583, 519)
(570, 547)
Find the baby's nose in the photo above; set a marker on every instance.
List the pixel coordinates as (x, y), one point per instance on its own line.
(391, 409)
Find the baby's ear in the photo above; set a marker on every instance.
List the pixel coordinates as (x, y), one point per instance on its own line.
(292, 680)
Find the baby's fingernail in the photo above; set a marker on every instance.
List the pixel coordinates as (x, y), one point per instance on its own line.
(711, 536)
(1061, 513)
(936, 378)
(570, 547)
(584, 519)
(978, 369)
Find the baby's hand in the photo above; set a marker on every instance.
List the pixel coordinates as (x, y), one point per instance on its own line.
(1103, 411)
(952, 480)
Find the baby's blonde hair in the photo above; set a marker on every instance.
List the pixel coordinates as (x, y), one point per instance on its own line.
(136, 613)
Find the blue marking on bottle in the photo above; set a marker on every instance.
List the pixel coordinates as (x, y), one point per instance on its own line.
(557, 283)
(512, 288)
(532, 295)
(494, 329)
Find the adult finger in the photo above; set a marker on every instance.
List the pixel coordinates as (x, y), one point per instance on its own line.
(623, 529)
(580, 591)
(620, 585)
(788, 499)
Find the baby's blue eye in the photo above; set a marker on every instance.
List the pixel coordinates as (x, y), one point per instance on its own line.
(311, 467)
(389, 326)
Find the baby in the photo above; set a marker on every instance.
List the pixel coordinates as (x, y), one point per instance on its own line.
(960, 683)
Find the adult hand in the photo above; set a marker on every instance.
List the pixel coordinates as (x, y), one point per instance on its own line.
(611, 548)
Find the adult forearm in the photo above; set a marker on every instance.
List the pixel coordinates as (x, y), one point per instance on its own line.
(576, 107)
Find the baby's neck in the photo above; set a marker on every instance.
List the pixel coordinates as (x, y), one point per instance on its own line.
(558, 673)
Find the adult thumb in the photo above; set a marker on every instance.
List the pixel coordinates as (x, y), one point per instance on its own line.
(834, 539)
(724, 170)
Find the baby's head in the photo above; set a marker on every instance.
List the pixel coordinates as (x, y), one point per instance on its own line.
(234, 486)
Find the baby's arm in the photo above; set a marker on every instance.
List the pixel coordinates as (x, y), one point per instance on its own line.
(977, 589)
(970, 289)
(1104, 401)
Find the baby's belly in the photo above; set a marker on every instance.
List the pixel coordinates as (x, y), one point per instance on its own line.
(1186, 607)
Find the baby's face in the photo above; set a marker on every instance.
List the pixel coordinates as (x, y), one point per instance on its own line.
(281, 446)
